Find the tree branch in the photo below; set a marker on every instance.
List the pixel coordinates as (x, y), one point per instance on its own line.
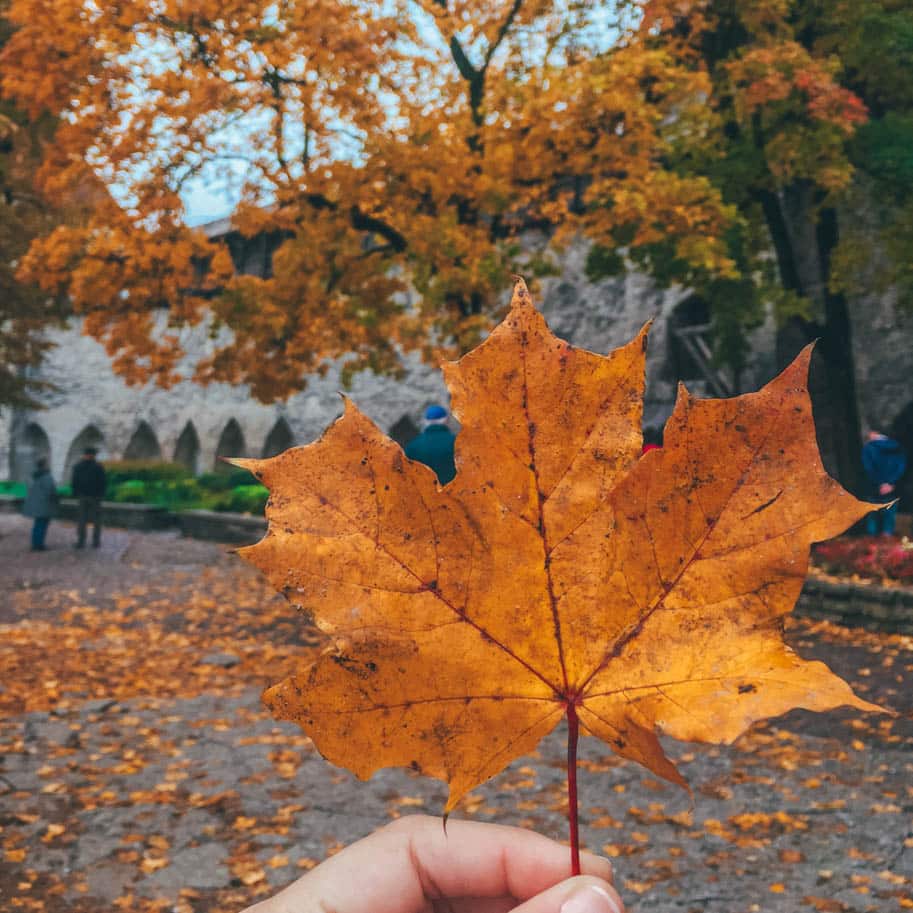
(361, 221)
(463, 63)
(502, 32)
(475, 77)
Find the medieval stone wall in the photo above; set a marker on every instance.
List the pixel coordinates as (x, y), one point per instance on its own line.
(196, 424)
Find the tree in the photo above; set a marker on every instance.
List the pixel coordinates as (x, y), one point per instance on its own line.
(391, 145)
(25, 310)
(411, 144)
(808, 136)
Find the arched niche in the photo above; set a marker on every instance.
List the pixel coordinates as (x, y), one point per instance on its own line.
(90, 436)
(187, 449)
(690, 353)
(231, 444)
(29, 446)
(279, 439)
(403, 431)
(143, 444)
(689, 320)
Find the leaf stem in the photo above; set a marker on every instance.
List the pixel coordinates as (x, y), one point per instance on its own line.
(572, 734)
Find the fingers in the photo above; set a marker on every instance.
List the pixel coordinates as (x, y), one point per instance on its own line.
(473, 859)
(401, 867)
(583, 894)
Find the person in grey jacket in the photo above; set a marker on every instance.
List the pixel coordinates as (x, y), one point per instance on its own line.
(41, 503)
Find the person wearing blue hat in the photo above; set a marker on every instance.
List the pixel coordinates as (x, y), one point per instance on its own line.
(884, 462)
(434, 446)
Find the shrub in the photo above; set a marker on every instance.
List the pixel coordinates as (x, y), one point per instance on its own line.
(882, 558)
(244, 499)
(242, 478)
(214, 481)
(132, 491)
(226, 479)
(143, 471)
(177, 493)
(171, 485)
(16, 489)
(19, 489)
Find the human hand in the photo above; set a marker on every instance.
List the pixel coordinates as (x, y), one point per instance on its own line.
(413, 866)
(885, 488)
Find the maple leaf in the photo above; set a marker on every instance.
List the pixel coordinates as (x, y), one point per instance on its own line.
(560, 574)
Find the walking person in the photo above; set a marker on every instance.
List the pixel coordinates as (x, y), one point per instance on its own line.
(41, 503)
(884, 462)
(88, 484)
(434, 446)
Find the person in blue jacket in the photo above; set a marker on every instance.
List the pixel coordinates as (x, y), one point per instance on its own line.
(434, 446)
(884, 462)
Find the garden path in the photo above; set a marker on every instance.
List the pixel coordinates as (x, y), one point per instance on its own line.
(138, 770)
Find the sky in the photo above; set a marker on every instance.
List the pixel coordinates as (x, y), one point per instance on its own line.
(213, 194)
(206, 204)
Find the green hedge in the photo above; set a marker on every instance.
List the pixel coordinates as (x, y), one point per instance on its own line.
(188, 494)
(225, 481)
(245, 499)
(171, 485)
(19, 489)
(119, 471)
(132, 491)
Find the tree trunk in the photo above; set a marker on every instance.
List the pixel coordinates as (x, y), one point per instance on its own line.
(804, 246)
(836, 362)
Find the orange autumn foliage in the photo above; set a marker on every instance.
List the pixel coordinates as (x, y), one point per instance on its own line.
(559, 574)
(404, 157)
(388, 148)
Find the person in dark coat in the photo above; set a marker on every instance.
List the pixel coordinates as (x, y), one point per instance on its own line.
(434, 446)
(89, 482)
(884, 462)
(41, 503)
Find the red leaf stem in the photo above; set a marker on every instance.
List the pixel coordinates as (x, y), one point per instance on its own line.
(572, 734)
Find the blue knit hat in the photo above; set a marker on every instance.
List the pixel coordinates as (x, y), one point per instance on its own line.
(434, 413)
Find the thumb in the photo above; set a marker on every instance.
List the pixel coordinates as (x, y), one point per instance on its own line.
(583, 894)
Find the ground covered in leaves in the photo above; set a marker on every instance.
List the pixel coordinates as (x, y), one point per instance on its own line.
(138, 770)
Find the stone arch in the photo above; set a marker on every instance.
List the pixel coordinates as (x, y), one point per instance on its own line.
(143, 444)
(90, 436)
(690, 350)
(187, 449)
(690, 317)
(231, 444)
(403, 430)
(30, 445)
(279, 439)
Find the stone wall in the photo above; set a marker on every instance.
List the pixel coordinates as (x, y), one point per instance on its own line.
(885, 608)
(883, 351)
(196, 424)
(94, 406)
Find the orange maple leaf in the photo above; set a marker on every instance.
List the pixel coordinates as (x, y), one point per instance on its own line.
(560, 574)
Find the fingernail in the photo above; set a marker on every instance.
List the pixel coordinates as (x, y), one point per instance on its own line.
(591, 899)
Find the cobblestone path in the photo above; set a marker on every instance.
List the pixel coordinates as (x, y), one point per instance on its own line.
(139, 772)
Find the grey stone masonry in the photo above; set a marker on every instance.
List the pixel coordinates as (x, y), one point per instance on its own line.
(196, 425)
